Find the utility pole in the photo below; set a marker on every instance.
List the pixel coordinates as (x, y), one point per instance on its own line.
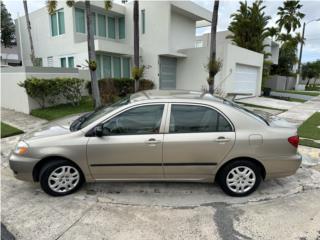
(301, 48)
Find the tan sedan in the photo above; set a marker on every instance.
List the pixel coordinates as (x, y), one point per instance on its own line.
(159, 136)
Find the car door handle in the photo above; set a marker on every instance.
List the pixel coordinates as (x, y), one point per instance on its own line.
(223, 139)
(152, 141)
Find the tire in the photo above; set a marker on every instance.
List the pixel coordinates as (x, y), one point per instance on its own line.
(60, 177)
(239, 178)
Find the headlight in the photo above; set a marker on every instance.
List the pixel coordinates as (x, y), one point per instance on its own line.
(21, 148)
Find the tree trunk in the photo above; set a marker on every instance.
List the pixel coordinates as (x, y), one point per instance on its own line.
(32, 55)
(92, 56)
(136, 39)
(212, 56)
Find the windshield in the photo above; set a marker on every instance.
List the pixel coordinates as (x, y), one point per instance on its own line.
(255, 115)
(89, 118)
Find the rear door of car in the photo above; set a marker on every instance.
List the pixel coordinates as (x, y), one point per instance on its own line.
(197, 137)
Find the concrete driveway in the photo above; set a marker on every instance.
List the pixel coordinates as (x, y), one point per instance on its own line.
(287, 208)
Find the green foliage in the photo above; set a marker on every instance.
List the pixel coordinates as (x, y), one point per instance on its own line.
(51, 6)
(113, 88)
(287, 58)
(92, 65)
(311, 70)
(266, 72)
(7, 27)
(51, 90)
(313, 87)
(61, 110)
(290, 15)
(213, 67)
(249, 26)
(137, 72)
(107, 5)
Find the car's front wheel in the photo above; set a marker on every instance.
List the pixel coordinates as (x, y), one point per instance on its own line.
(240, 178)
(60, 177)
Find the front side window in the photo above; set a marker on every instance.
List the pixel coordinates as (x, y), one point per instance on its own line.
(196, 119)
(70, 62)
(139, 120)
(57, 23)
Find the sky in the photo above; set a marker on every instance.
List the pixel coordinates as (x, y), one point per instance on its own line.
(311, 50)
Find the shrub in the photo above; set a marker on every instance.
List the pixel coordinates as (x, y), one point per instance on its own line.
(51, 90)
(112, 88)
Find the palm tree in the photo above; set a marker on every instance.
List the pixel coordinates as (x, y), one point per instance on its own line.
(52, 5)
(290, 16)
(32, 55)
(273, 32)
(249, 26)
(136, 43)
(214, 65)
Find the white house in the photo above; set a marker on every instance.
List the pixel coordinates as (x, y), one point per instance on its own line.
(167, 44)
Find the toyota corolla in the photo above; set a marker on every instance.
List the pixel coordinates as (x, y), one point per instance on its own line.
(159, 136)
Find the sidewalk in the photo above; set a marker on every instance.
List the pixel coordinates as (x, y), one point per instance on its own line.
(301, 112)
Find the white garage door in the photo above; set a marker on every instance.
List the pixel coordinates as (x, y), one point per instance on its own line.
(246, 79)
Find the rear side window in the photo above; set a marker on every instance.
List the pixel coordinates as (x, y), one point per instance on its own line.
(196, 119)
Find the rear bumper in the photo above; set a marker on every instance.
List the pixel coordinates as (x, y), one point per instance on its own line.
(282, 166)
(22, 167)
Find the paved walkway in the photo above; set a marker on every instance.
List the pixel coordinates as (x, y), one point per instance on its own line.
(302, 112)
(269, 102)
(291, 95)
(21, 121)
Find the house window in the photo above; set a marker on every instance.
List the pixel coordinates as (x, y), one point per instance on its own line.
(143, 21)
(99, 75)
(111, 28)
(63, 62)
(67, 62)
(57, 23)
(102, 32)
(106, 66)
(116, 67)
(126, 67)
(122, 31)
(80, 20)
(70, 62)
(94, 23)
(199, 43)
(50, 61)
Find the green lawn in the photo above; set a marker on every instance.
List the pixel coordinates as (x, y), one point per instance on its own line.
(7, 130)
(51, 113)
(296, 100)
(301, 92)
(309, 143)
(309, 129)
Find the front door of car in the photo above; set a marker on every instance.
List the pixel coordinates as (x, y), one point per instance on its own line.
(197, 138)
(131, 145)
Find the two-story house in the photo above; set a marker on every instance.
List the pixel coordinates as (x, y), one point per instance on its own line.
(167, 44)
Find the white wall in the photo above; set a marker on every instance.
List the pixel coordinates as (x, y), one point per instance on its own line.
(191, 73)
(182, 32)
(15, 97)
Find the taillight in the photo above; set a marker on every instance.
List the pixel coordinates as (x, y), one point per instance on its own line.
(294, 140)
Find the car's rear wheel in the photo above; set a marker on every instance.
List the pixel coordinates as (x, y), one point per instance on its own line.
(60, 177)
(240, 178)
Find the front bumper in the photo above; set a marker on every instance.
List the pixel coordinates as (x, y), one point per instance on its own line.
(22, 167)
(282, 166)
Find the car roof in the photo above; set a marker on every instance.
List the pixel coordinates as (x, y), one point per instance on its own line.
(173, 95)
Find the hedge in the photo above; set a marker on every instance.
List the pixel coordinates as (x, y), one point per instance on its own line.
(112, 88)
(52, 90)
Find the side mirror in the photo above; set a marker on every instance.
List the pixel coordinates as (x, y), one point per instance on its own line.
(98, 130)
